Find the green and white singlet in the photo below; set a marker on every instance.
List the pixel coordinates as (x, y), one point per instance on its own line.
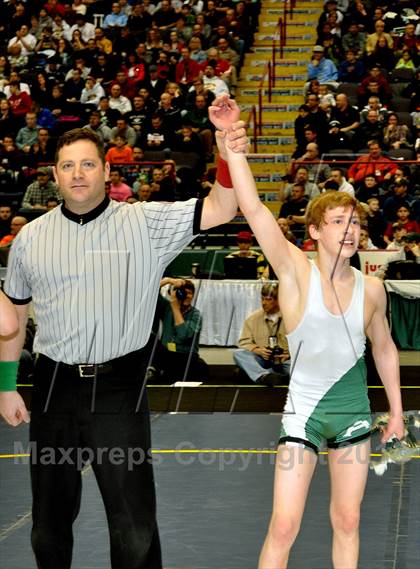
(327, 400)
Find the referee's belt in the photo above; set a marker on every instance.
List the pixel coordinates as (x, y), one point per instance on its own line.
(89, 370)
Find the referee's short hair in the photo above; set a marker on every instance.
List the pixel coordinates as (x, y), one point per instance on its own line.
(76, 134)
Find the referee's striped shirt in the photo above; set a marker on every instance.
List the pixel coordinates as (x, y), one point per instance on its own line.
(94, 279)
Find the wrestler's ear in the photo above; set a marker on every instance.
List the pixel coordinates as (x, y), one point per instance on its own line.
(314, 232)
(107, 171)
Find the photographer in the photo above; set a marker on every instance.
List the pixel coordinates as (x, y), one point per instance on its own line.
(176, 353)
(264, 353)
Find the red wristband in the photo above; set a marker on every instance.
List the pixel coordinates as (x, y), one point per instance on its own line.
(222, 174)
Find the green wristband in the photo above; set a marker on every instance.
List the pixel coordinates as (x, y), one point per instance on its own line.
(8, 375)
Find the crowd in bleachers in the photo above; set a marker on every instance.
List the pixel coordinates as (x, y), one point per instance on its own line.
(141, 74)
(359, 128)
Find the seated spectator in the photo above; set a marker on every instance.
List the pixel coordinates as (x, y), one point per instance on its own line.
(263, 352)
(372, 39)
(118, 191)
(163, 185)
(102, 70)
(375, 222)
(326, 99)
(337, 175)
(43, 150)
(117, 101)
(120, 153)
(23, 40)
(138, 117)
(20, 102)
(374, 104)
(198, 119)
(196, 50)
(284, 225)
(101, 129)
(354, 40)
(38, 193)
(7, 121)
(128, 85)
(370, 129)
(352, 69)
(116, 19)
(404, 220)
(321, 68)
(154, 86)
(92, 93)
(412, 91)
(317, 118)
(28, 135)
(348, 118)
(188, 141)
(382, 56)
(165, 17)
(108, 116)
(16, 225)
(144, 192)
(122, 128)
(5, 219)
(318, 171)
(294, 208)
(365, 242)
(399, 198)
(373, 163)
(375, 84)
(396, 135)
(409, 40)
(156, 136)
(86, 29)
(72, 91)
(406, 61)
(213, 83)
(397, 242)
(186, 69)
(301, 178)
(170, 115)
(176, 353)
(10, 155)
(244, 242)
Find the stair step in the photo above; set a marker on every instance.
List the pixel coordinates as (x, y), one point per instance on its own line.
(283, 64)
(273, 108)
(307, 39)
(257, 75)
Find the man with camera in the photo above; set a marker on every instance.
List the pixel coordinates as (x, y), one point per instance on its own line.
(264, 353)
(176, 353)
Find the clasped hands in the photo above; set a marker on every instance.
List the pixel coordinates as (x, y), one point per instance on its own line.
(224, 113)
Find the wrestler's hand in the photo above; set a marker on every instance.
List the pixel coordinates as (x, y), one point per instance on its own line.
(237, 139)
(395, 427)
(224, 112)
(13, 408)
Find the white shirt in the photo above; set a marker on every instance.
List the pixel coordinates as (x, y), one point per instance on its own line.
(122, 104)
(29, 40)
(346, 187)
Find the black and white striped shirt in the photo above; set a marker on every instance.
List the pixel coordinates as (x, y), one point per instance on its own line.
(94, 279)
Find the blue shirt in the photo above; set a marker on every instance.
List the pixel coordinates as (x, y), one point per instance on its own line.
(325, 71)
(115, 20)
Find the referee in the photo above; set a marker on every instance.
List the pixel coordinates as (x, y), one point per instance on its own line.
(92, 270)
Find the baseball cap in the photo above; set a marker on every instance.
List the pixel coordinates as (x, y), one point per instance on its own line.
(244, 236)
(44, 170)
(318, 49)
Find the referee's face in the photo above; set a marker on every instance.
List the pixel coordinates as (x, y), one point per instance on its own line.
(81, 175)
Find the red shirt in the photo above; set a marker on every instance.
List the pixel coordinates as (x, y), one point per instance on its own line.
(119, 155)
(20, 104)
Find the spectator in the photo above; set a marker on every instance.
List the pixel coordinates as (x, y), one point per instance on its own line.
(123, 129)
(352, 69)
(7, 121)
(128, 85)
(119, 191)
(409, 40)
(374, 104)
(399, 198)
(144, 192)
(294, 208)
(372, 39)
(120, 153)
(396, 135)
(365, 242)
(198, 119)
(139, 21)
(117, 101)
(375, 85)
(405, 61)
(354, 40)
(72, 92)
(321, 68)
(176, 353)
(170, 115)
(20, 102)
(318, 171)
(38, 193)
(156, 136)
(28, 135)
(263, 352)
(101, 129)
(15, 226)
(24, 41)
(301, 178)
(213, 83)
(154, 85)
(186, 69)
(399, 234)
(337, 175)
(372, 163)
(348, 118)
(371, 129)
(404, 220)
(317, 117)
(116, 19)
(375, 223)
(284, 225)
(138, 117)
(244, 243)
(165, 17)
(92, 93)
(5, 219)
(10, 155)
(86, 29)
(43, 150)
(382, 56)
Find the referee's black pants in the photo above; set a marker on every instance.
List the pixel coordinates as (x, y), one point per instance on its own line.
(73, 422)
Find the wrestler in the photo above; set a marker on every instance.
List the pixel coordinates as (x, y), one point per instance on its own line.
(329, 309)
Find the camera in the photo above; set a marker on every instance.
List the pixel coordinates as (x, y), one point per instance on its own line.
(181, 293)
(275, 349)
